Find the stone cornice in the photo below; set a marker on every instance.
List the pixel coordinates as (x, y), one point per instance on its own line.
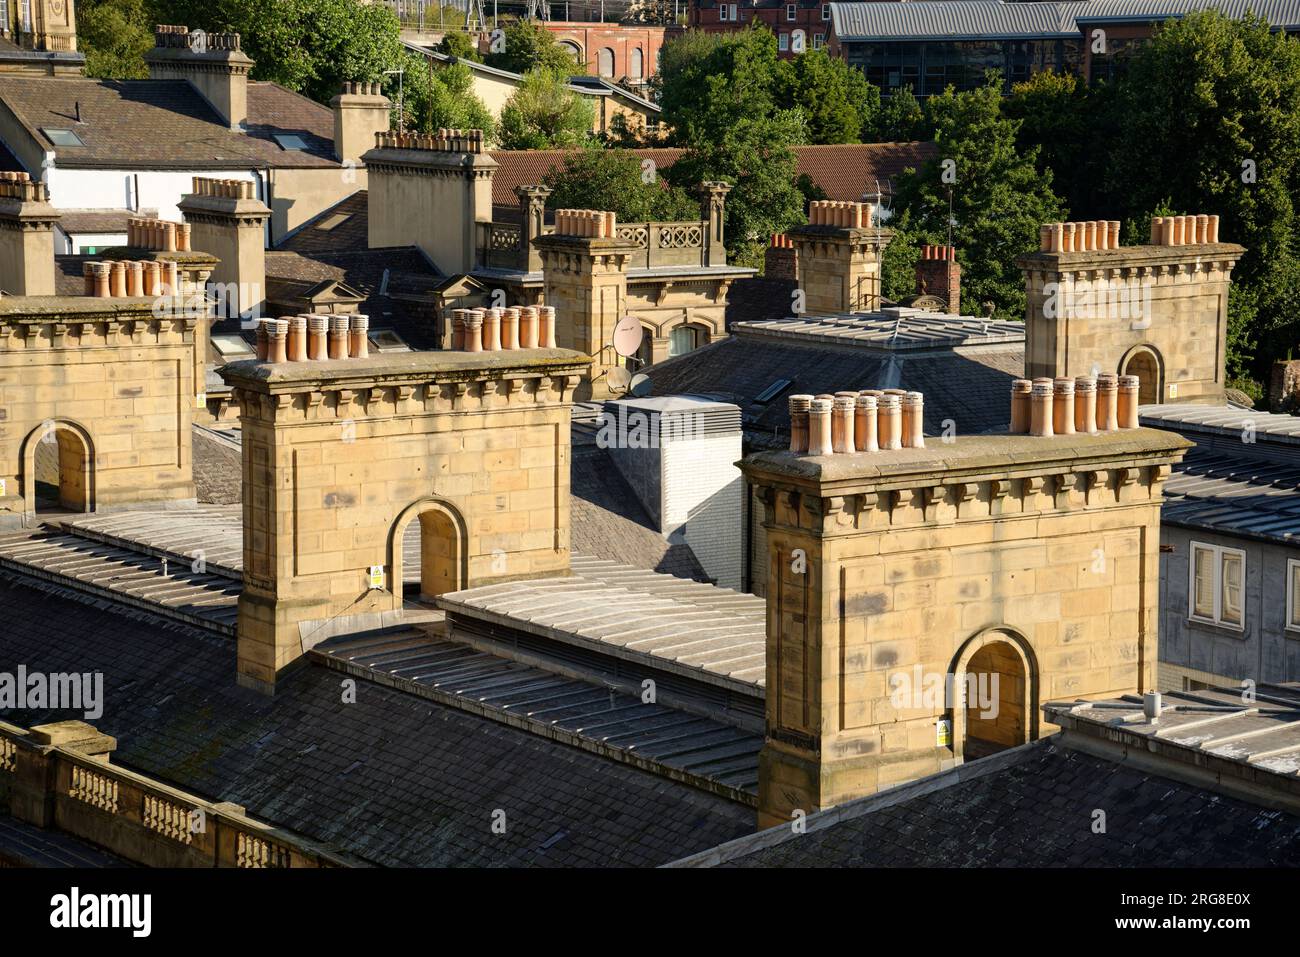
(1109, 261)
(990, 477)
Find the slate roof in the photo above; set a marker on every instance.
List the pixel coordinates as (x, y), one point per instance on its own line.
(394, 779)
(165, 124)
(26, 845)
(408, 271)
(607, 520)
(1033, 807)
(984, 19)
(75, 221)
(971, 389)
(1235, 494)
(339, 228)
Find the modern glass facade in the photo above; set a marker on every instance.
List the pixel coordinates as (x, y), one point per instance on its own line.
(931, 66)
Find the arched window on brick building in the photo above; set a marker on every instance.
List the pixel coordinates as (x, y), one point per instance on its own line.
(605, 62)
(636, 66)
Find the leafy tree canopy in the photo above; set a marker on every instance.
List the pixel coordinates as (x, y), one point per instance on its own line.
(617, 180)
(529, 47)
(543, 113)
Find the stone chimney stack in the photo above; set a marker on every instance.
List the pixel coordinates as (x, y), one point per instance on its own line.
(432, 191)
(713, 204)
(924, 601)
(939, 274)
(211, 62)
(360, 111)
(26, 236)
(229, 222)
(839, 255)
(1158, 311)
(584, 267)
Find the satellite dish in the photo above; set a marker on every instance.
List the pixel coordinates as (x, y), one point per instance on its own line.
(619, 379)
(628, 335)
(641, 385)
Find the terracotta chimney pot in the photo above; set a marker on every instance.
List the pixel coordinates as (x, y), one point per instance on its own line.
(1107, 411)
(473, 330)
(1040, 408)
(799, 406)
(277, 336)
(338, 337)
(183, 237)
(1212, 229)
(117, 280)
(546, 316)
(492, 330)
(135, 278)
(263, 340)
(318, 338)
(819, 427)
(842, 413)
(88, 276)
(1127, 406)
(889, 422)
(1020, 389)
(1085, 404)
(296, 348)
(1063, 406)
(1157, 230)
(528, 327)
(1067, 242)
(864, 423)
(152, 278)
(913, 420)
(358, 336)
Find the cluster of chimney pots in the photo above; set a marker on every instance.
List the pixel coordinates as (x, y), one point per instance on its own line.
(313, 338)
(596, 223)
(1184, 230)
(1079, 237)
(830, 212)
(871, 420)
(158, 235)
(495, 329)
(1067, 406)
(130, 277)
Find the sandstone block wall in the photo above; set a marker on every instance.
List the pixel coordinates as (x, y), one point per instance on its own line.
(888, 568)
(1099, 309)
(340, 457)
(108, 381)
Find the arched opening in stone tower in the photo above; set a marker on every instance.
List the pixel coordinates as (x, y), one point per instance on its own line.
(61, 470)
(432, 555)
(995, 700)
(1146, 366)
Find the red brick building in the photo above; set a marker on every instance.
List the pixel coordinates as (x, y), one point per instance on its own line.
(802, 22)
(612, 50)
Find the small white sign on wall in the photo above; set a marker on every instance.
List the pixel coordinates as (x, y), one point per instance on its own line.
(201, 400)
(4, 487)
(376, 577)
(942, 733)
(1173, 390)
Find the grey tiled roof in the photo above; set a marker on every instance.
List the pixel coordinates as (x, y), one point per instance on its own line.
(26, 845)
(1034, 807)
(966, 19)
(394, 778)
(972, 390)
(165, 124)
(1235, 494)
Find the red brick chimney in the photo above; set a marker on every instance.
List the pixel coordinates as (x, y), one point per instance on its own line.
(939, 274)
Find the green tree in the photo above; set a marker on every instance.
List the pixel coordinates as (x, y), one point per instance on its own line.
(114, 35)
(459, 45)
(529, 47)
(756, 157)
(543, 113)
(1209, 122)
(837, 101)
(719, 98)
(1069, 122)
(443, 96)
(900, 119)
(994, 203)
(311, 46)
(616, 180)
(709, 82)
